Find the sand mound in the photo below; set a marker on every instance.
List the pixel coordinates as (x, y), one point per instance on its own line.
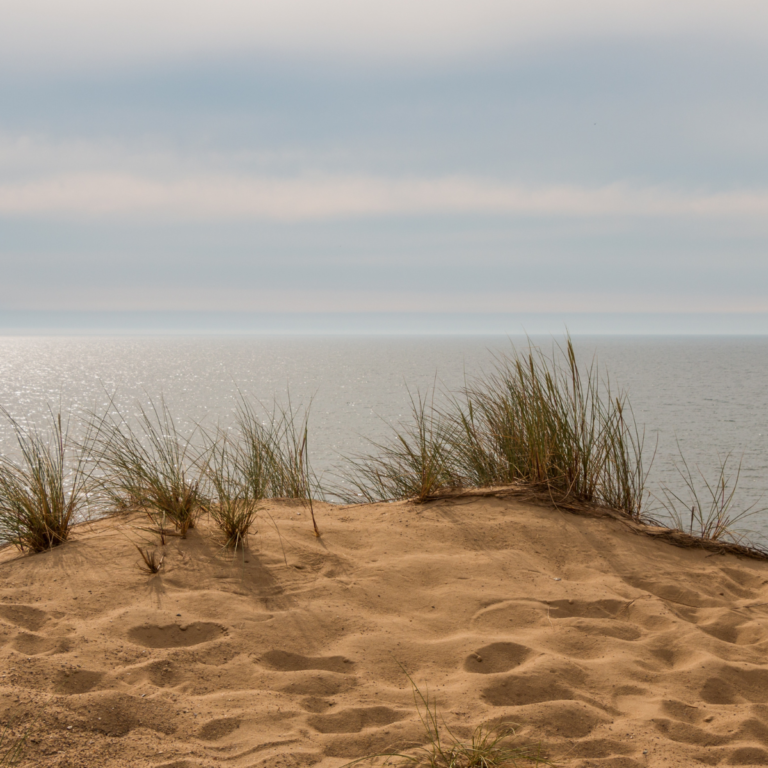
(609, 648)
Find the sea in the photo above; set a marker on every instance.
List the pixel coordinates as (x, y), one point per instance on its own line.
(701, 398)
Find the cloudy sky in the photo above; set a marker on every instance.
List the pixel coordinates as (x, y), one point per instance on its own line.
(369, 156)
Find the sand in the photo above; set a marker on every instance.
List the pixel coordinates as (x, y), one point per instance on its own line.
(609, 648)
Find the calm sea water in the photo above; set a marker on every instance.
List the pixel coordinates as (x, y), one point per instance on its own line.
(708, 394)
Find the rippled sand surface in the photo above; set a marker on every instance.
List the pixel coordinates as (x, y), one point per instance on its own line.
(607, 647)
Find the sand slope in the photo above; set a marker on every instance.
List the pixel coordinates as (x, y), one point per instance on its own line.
(609, 648)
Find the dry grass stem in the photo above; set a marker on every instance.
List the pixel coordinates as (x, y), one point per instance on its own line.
(11, 748)
(152, 562)
(708, 511)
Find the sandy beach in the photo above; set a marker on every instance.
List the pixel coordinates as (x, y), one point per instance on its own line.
(605, 647)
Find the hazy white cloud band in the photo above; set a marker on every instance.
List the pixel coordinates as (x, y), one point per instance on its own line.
(44, 34)
(222, 198)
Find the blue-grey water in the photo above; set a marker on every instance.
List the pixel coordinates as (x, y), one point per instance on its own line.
(709, 394)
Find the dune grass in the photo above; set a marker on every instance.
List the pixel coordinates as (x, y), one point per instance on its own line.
(542, 420)
(707, 508)
(151, 466)
(535, 420)
(43, 493)
(418, 460)
(271, 454)
(271, 451)
(232, 504)
(538, 421)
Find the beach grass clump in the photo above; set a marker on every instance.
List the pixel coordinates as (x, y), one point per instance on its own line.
(271, 451)
(542, 421)
(232, 504)
(536, 420)
(705, 508)
(45, 490)
(271, 454)
(415, 463)
(151, 466)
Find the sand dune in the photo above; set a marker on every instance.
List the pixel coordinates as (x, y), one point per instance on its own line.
(607, 647)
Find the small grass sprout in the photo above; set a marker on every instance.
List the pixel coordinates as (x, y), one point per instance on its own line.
(151, 466)
(42, 493)
(152, 562)
(11, 747)
(489, 746)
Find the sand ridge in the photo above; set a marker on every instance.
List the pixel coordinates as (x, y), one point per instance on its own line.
(608, 648)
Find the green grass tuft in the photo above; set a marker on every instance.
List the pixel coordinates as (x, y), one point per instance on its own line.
(151, 466)
(270, 451)
(232, 505)
(417, 461)
(11, 747)
(43, 493)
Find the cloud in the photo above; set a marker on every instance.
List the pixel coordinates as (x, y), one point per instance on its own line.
(318, 198)
(155, 297)
(45, 34)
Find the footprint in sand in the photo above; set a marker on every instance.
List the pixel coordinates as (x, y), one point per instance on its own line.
(319, 686)
(217, 729)
(354, 720)
(748, 756)
(734, 685)
(497, 657)
(315, 705)
(587, 609)
(285, 661)
(117, 714)
(35, 645)
(175, 635)
(24, 616)
(77, 681)
(517, 691)
(572, 719)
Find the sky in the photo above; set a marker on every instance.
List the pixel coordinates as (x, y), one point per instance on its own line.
(408, 156)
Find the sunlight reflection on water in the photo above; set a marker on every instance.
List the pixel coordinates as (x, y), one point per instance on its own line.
(708, 393)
